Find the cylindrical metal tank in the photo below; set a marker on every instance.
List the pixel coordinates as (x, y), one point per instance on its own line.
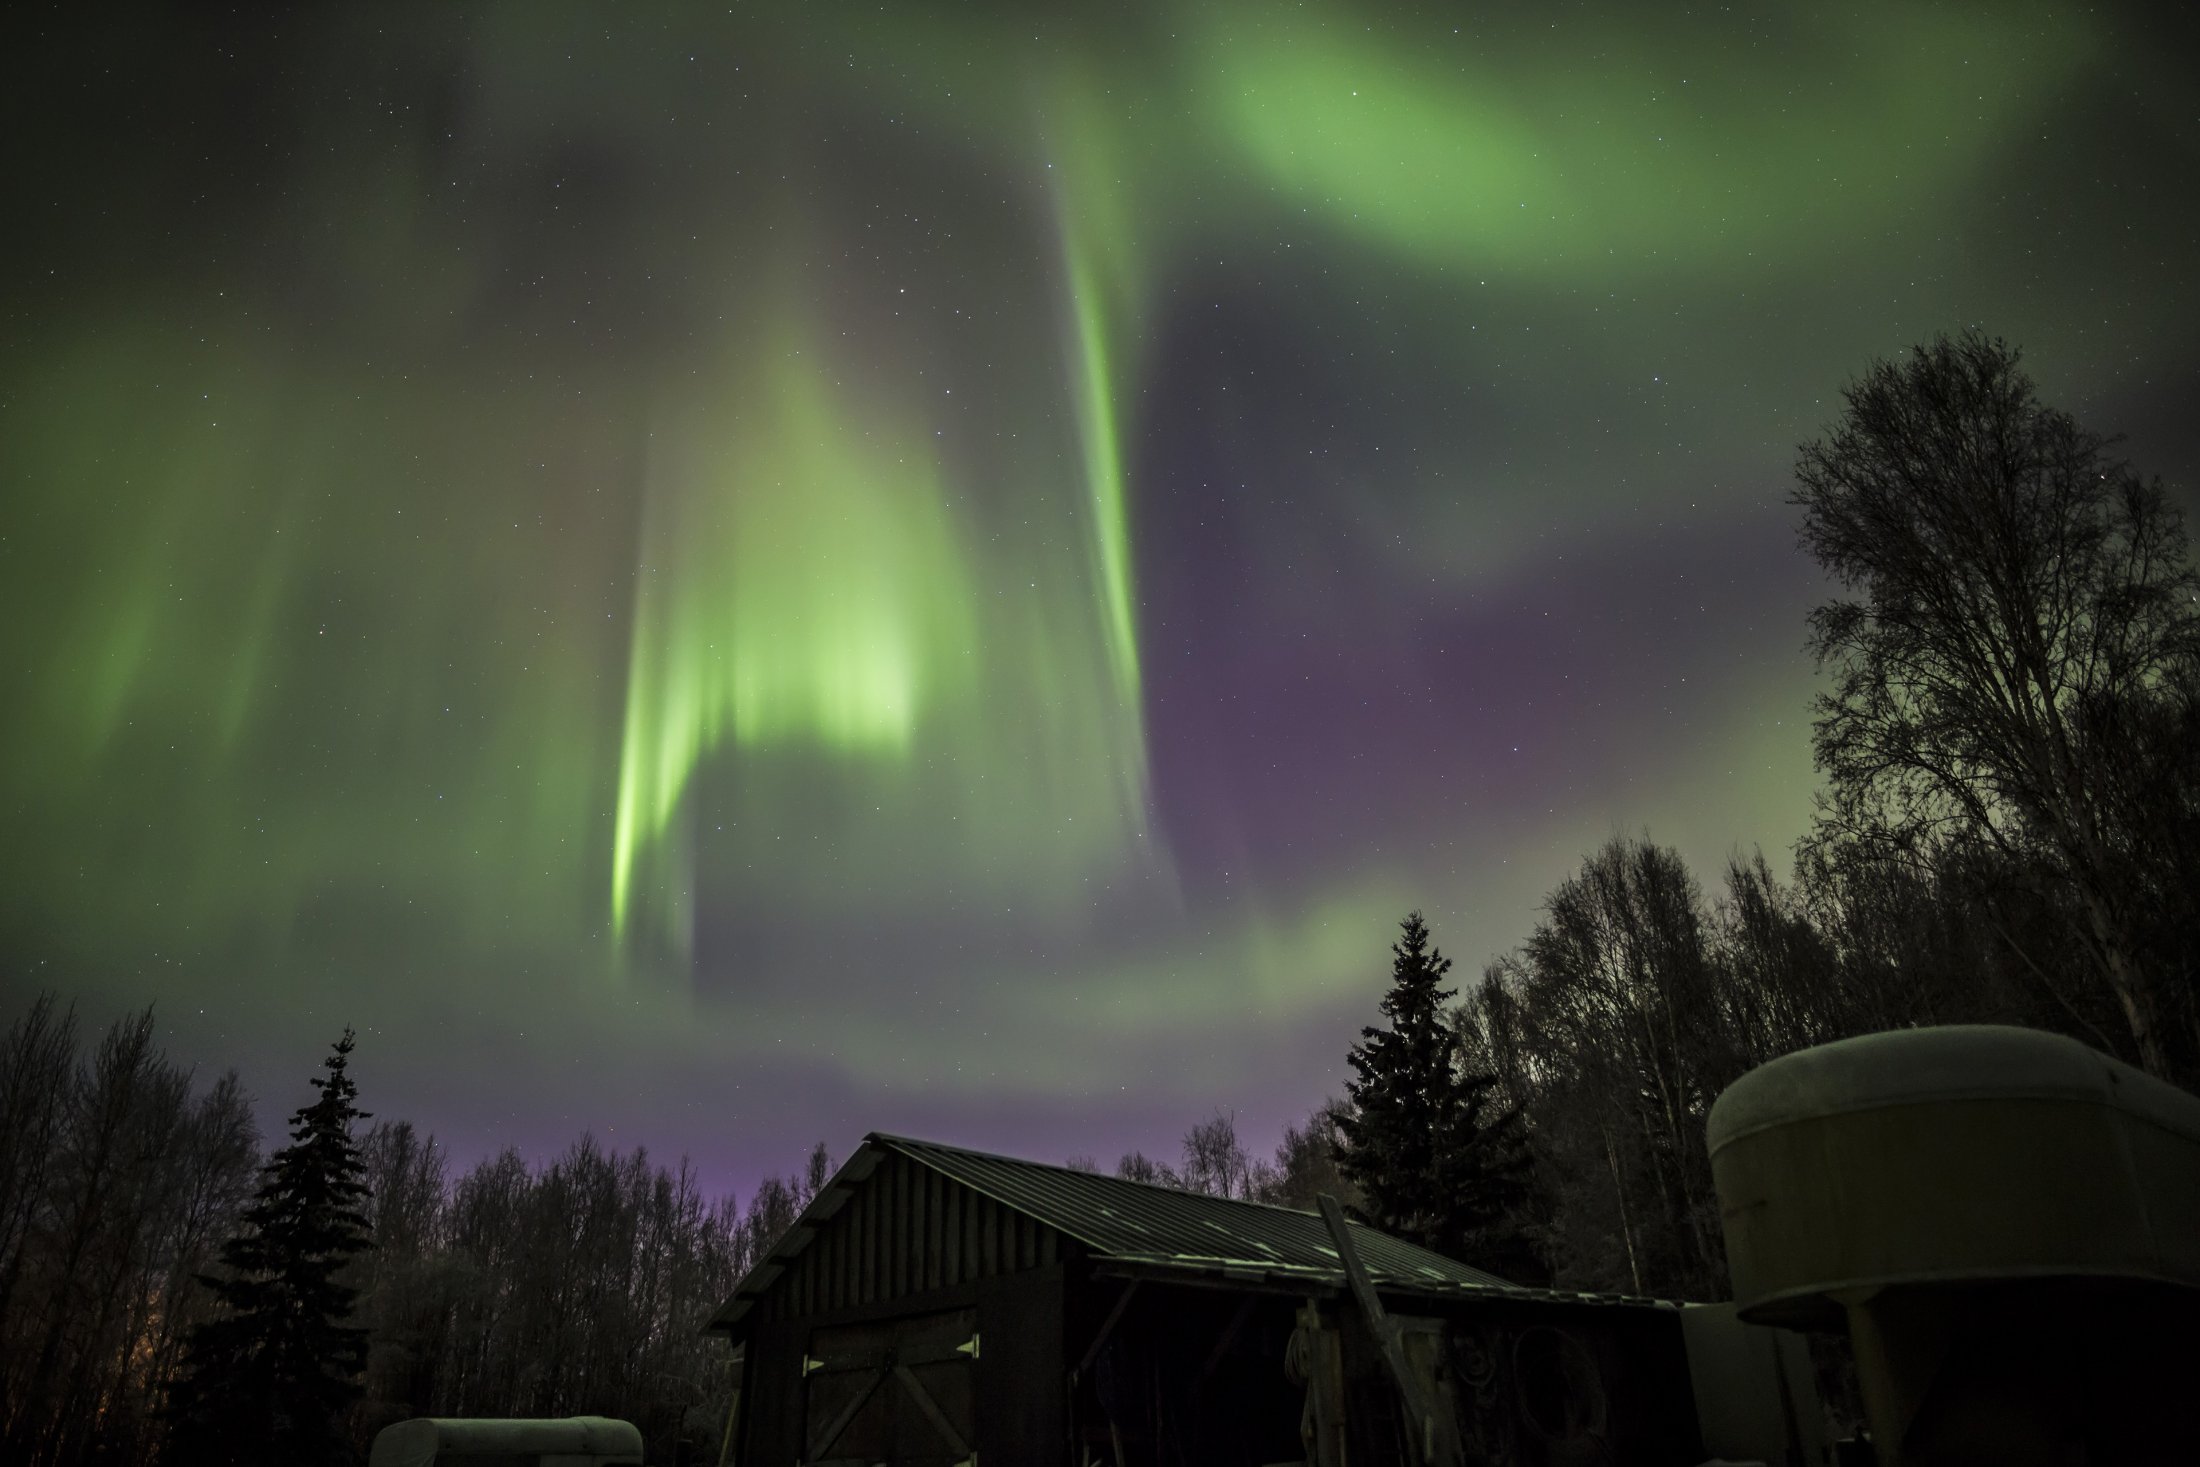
(569, 1441)
(2007, 1224)
(1967, 1152)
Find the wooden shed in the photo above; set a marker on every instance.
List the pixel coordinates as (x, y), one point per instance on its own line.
(935, 1305)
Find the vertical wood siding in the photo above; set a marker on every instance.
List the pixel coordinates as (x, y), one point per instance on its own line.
(907, 1230)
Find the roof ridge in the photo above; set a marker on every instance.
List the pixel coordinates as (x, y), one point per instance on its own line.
(899, 1140)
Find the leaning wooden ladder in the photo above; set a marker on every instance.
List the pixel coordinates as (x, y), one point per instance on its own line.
(1432, 1436)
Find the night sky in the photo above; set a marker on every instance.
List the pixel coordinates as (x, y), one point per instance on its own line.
(955, 569)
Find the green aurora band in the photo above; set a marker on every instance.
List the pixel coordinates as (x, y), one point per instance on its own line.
(603, 525)
(807, 581)
(797, 587)
(801, 580)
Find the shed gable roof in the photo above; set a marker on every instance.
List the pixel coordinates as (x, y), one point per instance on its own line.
(1132, 1224)
(1162, 1227)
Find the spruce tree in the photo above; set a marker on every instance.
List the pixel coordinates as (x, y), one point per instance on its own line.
(269, 1379)
(1484, 1183)
(1402, 1090)
(1432, 1159)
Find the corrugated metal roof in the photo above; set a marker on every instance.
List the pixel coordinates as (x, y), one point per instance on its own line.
(1161, 1227)
(1141, 1227)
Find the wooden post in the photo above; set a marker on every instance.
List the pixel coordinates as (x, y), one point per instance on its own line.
(1229, 1336)
(1426, 1437)
(1084, 1363)
(1122, 1302)
(733, 1407)
(725, 1446)
(1321, 1424)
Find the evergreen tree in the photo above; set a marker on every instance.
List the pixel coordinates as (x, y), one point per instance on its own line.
(1419, 1139)
(270, 1378)
(1484, 1183)
(1402, 1091)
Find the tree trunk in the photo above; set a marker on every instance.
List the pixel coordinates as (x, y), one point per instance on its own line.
(1619, 1191)
(2129, 986)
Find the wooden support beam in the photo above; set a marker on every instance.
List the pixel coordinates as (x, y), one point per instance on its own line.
(736, 1365)
(1428, 1441)
(932, 1411)
(1092, 1351)
(1229, 1336)
(1292, 1284)
(1320, 1354)
(824, 1440)
(733, 1414)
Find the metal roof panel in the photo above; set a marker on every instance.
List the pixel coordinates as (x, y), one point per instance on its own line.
(1139, 1221)
(1142, 1226)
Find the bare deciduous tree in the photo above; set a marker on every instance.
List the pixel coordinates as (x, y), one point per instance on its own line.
(1306, 1164)
(2021, 616)
(1214, 1161)
(116, 1185)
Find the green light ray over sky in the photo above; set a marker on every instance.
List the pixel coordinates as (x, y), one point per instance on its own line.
(1092, 381)
(519, 511)
(809, 578)
(801, 581)
(1629, 157)
(1103, 274)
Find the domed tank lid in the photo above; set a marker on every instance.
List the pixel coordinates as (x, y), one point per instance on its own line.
(1952, 1062)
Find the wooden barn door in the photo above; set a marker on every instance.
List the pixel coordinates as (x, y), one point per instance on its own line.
(897, 1391)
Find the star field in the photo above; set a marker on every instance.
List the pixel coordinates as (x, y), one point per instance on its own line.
(738, 579)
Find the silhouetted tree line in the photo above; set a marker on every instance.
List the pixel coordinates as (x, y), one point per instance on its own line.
(2009, 832)
(1639, 997)
(575, 1288)
(147, 1249)
(269, 1377)
(1215, 1163)
(120, 1179)
(2009, 829)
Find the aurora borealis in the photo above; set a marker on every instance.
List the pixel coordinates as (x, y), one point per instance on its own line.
(739, 579)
